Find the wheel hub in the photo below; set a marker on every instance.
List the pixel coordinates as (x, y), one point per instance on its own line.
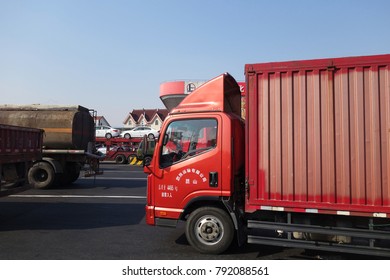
(41, 176)
(209, 230)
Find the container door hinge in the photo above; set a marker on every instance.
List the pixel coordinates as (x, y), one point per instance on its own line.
(248, 183)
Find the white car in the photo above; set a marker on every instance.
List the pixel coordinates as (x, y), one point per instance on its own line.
(139, 131)
(107, 131)
(102, 150)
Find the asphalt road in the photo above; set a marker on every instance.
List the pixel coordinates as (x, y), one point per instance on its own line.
(102, 218)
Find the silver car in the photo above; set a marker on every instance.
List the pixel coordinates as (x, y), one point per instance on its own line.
(107, 131)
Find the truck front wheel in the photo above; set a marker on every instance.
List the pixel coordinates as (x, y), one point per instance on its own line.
(210, 230)
(41, 175)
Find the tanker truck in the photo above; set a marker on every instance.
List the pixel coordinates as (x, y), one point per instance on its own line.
(308, 168)
(68, 141)
(20, 147)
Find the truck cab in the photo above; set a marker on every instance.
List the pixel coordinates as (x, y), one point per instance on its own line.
(317, 157)
(198, 165)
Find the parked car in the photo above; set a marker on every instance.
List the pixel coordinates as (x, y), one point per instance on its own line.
(107, 131)
(102, 150)
(139, 131)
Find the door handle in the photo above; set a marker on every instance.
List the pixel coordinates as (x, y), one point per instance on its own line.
(213, 179)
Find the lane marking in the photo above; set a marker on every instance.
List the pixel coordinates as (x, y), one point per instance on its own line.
(76, 196)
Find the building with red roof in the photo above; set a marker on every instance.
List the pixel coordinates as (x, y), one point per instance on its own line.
(146, 117)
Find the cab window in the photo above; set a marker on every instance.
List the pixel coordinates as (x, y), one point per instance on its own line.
(187, 138)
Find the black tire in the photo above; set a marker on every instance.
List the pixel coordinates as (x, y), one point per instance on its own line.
(72, 172)
(18, 171)
(210, 230)
(147, 160)
(41, 175)
(120, 159)
(127, 136)
(108, 135)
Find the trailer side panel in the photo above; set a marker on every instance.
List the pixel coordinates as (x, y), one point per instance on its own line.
(318, 136)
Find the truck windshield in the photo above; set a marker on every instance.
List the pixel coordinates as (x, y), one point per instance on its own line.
(187, 138)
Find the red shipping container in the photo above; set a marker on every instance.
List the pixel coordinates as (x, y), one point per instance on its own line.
(318, 136)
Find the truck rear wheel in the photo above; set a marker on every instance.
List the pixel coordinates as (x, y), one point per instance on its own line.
(210, 230)
(72, 172)
(41, 175)
(120, 159)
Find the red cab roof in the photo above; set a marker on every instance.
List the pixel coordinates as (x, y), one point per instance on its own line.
(221, 94)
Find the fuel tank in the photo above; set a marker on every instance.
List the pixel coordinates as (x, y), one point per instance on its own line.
(65, 127)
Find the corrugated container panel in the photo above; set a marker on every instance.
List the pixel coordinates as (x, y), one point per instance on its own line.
(318, 134)
(19, 143)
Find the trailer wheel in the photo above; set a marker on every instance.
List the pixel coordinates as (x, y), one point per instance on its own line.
(120, 159)
(210, 230)
(41, 175)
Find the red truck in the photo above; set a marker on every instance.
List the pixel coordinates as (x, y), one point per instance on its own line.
(120, 150)
(20, 147)
(309, 167)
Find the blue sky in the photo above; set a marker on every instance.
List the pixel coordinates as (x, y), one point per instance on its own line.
(112, 56)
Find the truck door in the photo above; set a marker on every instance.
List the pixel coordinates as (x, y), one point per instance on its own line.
(190, 163)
